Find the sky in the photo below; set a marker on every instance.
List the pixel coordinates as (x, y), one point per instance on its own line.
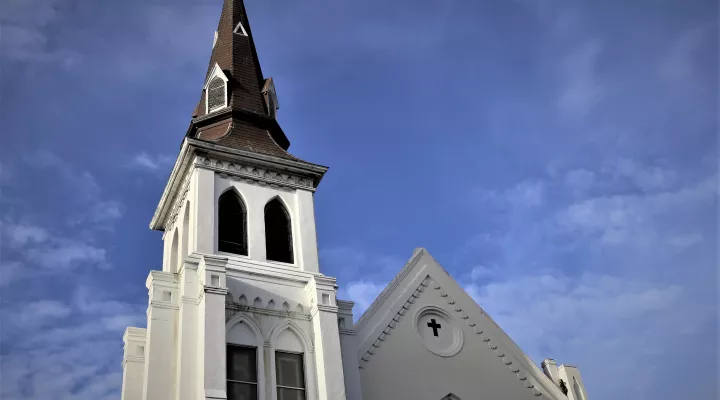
(559, 158)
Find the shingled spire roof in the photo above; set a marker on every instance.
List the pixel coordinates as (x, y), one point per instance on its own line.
(237, 106)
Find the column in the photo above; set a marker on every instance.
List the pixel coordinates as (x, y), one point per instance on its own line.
(307, 239)
(187, 359)
(328, 358)
(161, 343)
(133, 364)
(211, 337)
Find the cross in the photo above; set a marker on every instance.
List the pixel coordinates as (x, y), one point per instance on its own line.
(434, 325)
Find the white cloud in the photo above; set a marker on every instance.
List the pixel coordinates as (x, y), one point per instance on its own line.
(580, 180)
(44, 251)
(24, 234)
(66, 254)
(589, 320)
(632, 219)
(363, 293)
(154, 163)
(646, 178)
(75, 356)
(525, 194)
(481, 271)
(37, 311)
(580, 90)
(25, 38)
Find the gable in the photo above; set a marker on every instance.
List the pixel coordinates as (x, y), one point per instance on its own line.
(424, 334)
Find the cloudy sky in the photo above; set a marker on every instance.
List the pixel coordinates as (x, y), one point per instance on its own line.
(559, 158)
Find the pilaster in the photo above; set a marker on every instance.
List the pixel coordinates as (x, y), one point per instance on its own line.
(187, 357)
(133, 364)
(328, 359)
(348, 345)
(211, 337)
(307, 237)
(161, 339)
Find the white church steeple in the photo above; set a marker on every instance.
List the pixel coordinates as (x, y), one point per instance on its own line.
(240, 309)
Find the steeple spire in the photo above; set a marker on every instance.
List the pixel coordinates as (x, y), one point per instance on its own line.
(237, 107)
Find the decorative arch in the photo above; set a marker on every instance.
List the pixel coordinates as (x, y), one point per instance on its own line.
(248, 323)
(294, 328)
(242, 318)
(232, 223)
(278, 231)
(288, 326)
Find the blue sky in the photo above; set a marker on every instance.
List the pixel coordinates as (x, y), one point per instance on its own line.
(559, 158)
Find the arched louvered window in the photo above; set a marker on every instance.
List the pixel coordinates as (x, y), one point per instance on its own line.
(278, 232)
(232, 224)
(215, 94)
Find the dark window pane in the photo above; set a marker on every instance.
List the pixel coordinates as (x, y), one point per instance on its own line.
(232, 224)
(216, 93)
(289, 370)
(241, 364)
(241, 391)
(278, 233)
(290, 394)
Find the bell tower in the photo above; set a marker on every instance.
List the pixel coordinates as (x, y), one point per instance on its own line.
(239, 309)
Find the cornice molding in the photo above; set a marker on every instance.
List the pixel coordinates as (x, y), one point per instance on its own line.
(254, 174)
(234, 308)
(380, 300)
(215, 290)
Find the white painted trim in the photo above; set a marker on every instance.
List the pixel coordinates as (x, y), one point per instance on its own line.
(308, 358)
(259, 348)
(240, 29)
(216, 72)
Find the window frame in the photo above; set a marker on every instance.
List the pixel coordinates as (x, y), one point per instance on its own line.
(246, 241)
(257, 368)
(215, 73)
(291, 235)
(303, 365)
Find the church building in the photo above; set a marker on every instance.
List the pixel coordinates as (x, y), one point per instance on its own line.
(241, 309)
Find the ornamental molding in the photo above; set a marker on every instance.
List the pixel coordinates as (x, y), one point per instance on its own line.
(500, 354)
(179, 200)
(253, 174)
(231, 309)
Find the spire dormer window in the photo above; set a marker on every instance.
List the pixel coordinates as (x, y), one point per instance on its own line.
(216, 93)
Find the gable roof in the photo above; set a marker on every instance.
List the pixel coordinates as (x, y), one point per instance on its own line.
(423, 273)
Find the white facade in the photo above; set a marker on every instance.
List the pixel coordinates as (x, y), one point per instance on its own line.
(203, 300)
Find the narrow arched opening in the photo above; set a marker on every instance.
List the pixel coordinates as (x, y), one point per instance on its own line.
(278, 232)
(232, 224)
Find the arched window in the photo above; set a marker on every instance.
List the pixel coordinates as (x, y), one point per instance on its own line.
(215, 94)
(232, 224)
(278, 232)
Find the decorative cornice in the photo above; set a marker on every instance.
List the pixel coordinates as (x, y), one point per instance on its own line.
(133, 359)
(393, 323)
(179, 200)
(500, 354)
(254, 174)
(345, 331)
(215, 290)
(235, 308)
(367, 315)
